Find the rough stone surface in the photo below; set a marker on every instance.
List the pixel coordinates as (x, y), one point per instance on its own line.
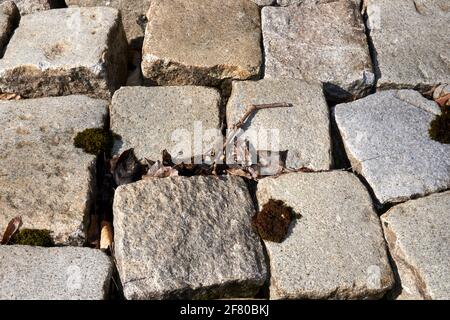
(262, 3)
(285, 3)
(387, 141)
(9, 19)
(147, 119)
(65, 51)
(418, 235)
(405, 34)
(187, 238)
(304, 129)
(319, 41)
(133, 15)
(336, 249)
(68, 273)
(30, 6)
(201, 43)
(43, 177)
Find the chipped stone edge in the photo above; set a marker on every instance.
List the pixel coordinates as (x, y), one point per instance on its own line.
(105, 76)
(400, 260)
(167, 72)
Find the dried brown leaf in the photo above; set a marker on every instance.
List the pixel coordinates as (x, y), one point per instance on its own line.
(106, 235)
(167, 159)
(13, 226)
(240, 172)
(443, 101)
(10, 96)
(126, 168)
(93, 232)
(158, 170)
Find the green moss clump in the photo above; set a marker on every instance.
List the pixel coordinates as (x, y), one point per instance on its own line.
(273, 221)
(95, 140)
(32, 237)
(440, 127)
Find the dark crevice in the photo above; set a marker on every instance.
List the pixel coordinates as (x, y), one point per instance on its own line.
(116, 287)
(263, 52)
(335, 94)
(372, 51)
(339, 156)
(264, 292)
(58, 4)
(225, 93)
(379, 207)
(252, 186)
(396, 290)
(104, 194)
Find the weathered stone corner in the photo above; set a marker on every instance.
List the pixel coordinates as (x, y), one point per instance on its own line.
(187, 238)
(66, 51)
(43, 177)
(192, 43)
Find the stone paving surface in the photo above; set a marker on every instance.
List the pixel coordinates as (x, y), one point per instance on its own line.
(35, 273)
(146, 119)
(335, 247)
(418, 234)
(187, 238)
(133, 14)
(201, 43)
(405, 34)
(387, 141)
(304, 129)
(43, 177)
(65, 51)
(323, 42)
(372, 218)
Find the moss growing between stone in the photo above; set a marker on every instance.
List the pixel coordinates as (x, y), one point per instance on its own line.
(33, 237)
(440, 127)
(95, 140)
(273, 221)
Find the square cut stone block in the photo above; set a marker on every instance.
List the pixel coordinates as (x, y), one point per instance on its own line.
(187, 238)
(66, 51)
(30, 6)
(153, 119)
(322, 42)
(43, 177)
(418, 235)
(303, 129)
(133, 15)
(405, 35)
(335, 247)
(387, 141)
(67, 273)
(201, 42)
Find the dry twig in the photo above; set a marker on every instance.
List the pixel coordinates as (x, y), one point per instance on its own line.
(234, 130)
